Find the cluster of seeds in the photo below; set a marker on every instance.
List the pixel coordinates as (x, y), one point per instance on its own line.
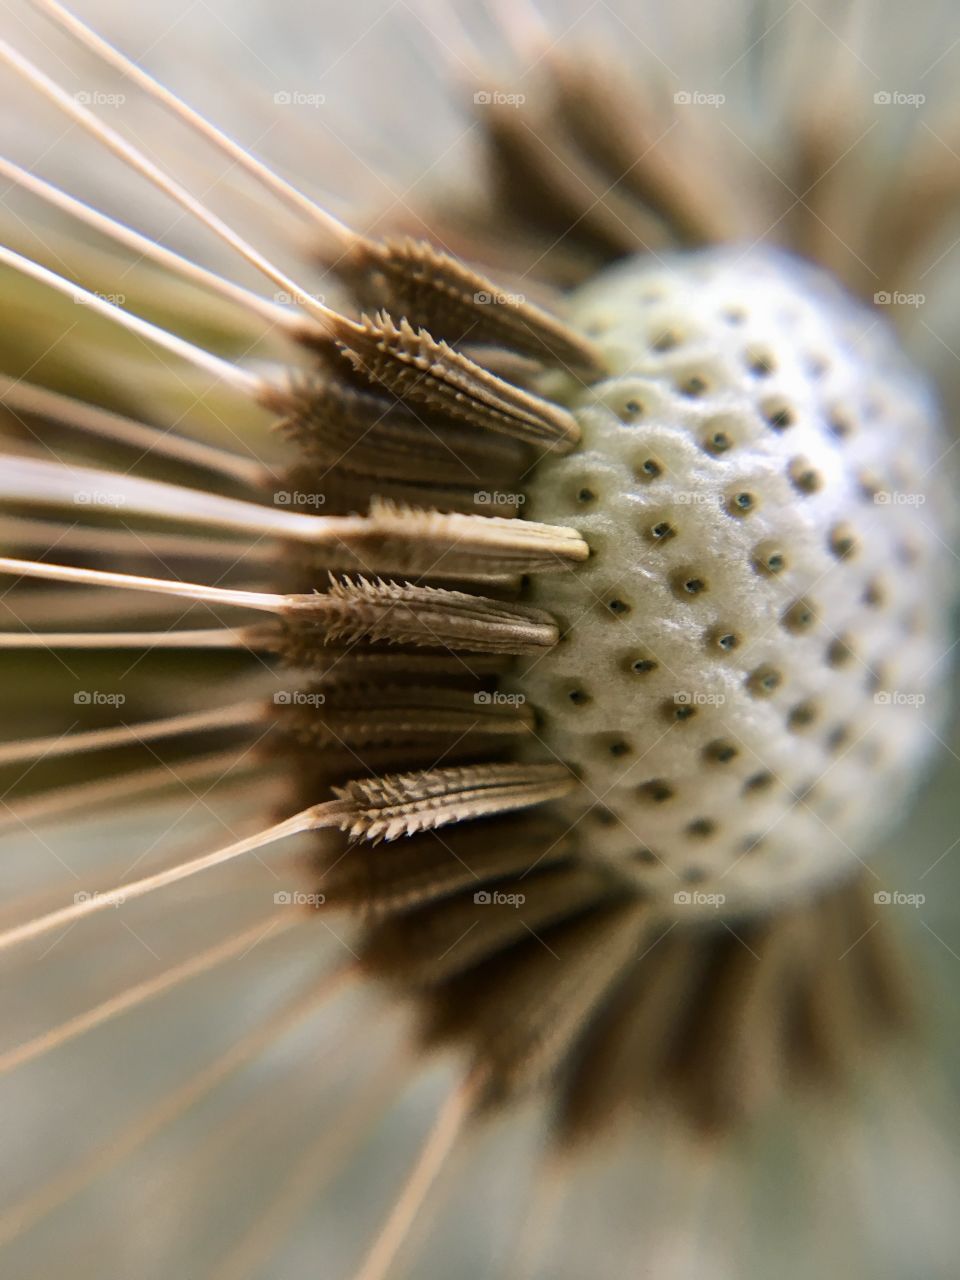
(744, 679)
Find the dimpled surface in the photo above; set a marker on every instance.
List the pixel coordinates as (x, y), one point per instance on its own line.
(746, 654)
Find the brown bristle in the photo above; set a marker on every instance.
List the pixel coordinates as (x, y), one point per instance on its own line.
(400, 613)
(520, 1011)
(411, 364)
(457, 304)
(431, 942)
(333, 422)
(381, 879)
(361, 715)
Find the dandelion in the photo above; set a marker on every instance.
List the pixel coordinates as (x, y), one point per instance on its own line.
(466, 678)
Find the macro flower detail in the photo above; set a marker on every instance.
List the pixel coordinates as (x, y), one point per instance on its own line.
(463, 654)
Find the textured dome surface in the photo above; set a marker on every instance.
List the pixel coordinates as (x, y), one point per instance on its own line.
(752, 653)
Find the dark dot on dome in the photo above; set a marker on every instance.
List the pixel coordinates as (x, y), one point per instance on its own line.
(688, 584)
(579, 697)
(758, 782)
(873, 595)
(646, 856)
(665, 341)
(642, 666)
(769, 559)
(869, 485)
(741, 504)
(760, 363)
(838, 737)
(662, 531)
(679, 711)
(619, 748)
(618, 607)
(764, 681)
(843, 541)
(778, 416)
(725, 640)
(802, 715)
(649, 469)
(694, 386)
(701, 828)
(632, 410)
(656, 791)
(717, 442)
(586, 495)
(839, 652)
(720, 752)
(839, 426)
(799, 617)
(804, 478)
